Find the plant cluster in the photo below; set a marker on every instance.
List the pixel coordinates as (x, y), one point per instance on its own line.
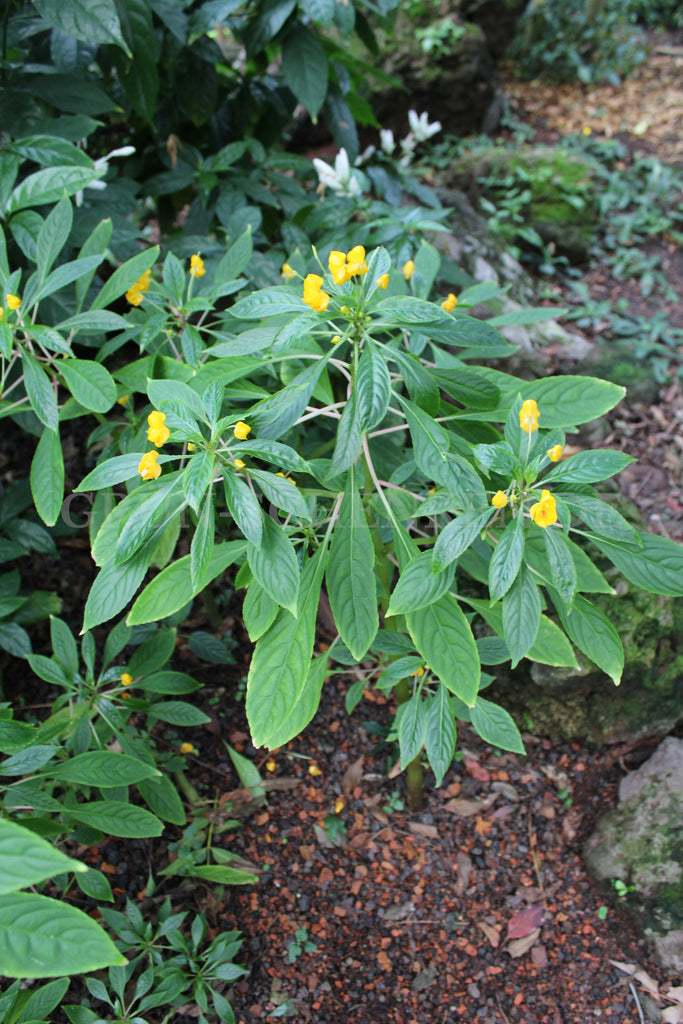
(590, 41)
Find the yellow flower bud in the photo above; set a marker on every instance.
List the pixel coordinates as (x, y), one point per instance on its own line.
(13, 301)
(270, 765)
(238, 464)
(197, 266)
(158, 433)
(586, 130)
(148, 467)
(313, 294)
(339, 806)
(191, 446)
(450, 303)
(186, 748)
(126, 696)
(336, 263)
(419, 672)
(123, 399)
(287, 272)
(383, 282)
(335, 340)
(408, 269)
(314, 770)
(126, 679)
(499, 499)
(528, 416)
(241, 429)
(555, 453)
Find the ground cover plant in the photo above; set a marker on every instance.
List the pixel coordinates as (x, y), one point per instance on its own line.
(285, 388)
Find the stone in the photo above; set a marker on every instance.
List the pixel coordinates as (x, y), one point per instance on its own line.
(554, 181)
(640, 843)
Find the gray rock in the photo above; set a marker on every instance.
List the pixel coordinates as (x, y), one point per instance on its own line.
(640, 842)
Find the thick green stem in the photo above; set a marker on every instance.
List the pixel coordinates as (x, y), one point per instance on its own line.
(414, 771)
(211, 608)
(187, 789)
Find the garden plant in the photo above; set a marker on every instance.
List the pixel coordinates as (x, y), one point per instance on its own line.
(275, 377)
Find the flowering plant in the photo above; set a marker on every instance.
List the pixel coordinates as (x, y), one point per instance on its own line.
(338, 421)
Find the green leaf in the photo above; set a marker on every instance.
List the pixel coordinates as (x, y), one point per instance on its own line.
(281, 693)
(551, 646)
(53, 235)
(457, 536)
(111, 471)
(521, 615)
(95, 885)
(431, 447)
(91, 21)
(139, 75)
(27, 859)
(259, 611)
(49, 185)
(562, 568)
(197, 477)
(372, 387)
(411, 727)
(202, 543)
(602, 518)
(440, 733)
(167, 682)
(236, 258)
(589, 467)
(421, 385)
(40, 392)
(244, 507)
(594, 634)
(418, 586)
(64, 646)
(443, 637)
(89, 383)
(468, 387)
(657, 567)
(274, 564)
(172, 588)
(268, 302)
(349, 440)
(248, 773)
(220, 874)
(282, 493)
(178, 712)
(496, 726)
(588, 578)
(304, 67)
(117, 819)
(47, 477)
(103, 768)
(161, 797)
(113, 588)
(350, 573)
(125, 276)
(567, 401)
(40, 938)
(506, 559)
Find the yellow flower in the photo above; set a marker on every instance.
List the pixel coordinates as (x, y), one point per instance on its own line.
(134, 293)
(158, 433)
(290, 479)
(241, 429)
(337, 266)
(499, 499)
(356, 261)
(450, 303)
(287, 272)
(555, 453)
(186, 748)
(419, 672)
(528, 416)
(123, 399)
(149, 469)
(197, 266)
(314, 770)
(335, 340)
(270, 765)
(13, 301)
(238, 464)
(544, 512)
(191, 446)
(408, 269)
(126, 679)
(339, 806)
(586, 130)
(313, 295)
(383, 282)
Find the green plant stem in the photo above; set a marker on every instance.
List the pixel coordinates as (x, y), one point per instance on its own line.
(188, 790)
(211, 608)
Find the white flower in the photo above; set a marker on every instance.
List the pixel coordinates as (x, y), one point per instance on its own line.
(100, 167)
(420, 126)
(386, 138)
(339, 178)
(364, 156)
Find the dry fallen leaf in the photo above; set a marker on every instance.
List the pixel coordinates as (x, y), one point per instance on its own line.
(518, 947)
(526, 921)
(672, 1015)
(466, 808)
(398, 912)
(429, 831)
(648, 983)
(464, 865)
(352, 776)
(491, 933)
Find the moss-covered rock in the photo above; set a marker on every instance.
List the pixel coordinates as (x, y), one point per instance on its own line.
(640, 845)
(556, 192)
(584, 704)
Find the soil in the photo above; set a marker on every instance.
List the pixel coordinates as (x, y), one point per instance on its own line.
(478, 906)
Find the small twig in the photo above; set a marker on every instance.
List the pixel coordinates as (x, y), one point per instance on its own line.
(637, 1002)
(502, 1011)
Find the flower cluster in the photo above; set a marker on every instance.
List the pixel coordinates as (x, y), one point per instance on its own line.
(314, 296)
(158, 432)
(344, 266)
(197, 266)
(544, 512)
(135, 292)
(340, 177)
